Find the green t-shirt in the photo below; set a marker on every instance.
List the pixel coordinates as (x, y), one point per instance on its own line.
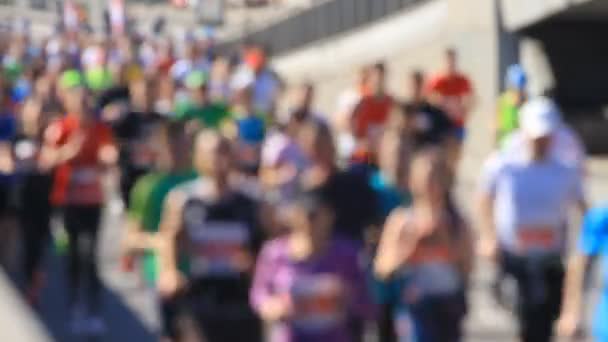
(153, 215)
(140, 196)
(212, 115)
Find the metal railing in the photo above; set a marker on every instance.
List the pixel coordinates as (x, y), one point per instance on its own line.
(320, 22)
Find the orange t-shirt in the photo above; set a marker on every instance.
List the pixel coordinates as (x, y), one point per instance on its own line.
(371, 114)
(451, 88)
(78, 181)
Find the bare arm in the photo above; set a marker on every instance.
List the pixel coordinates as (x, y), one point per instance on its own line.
(170, 228)
(393, 250)
(486, 225)
(570, 317)
(138, 240)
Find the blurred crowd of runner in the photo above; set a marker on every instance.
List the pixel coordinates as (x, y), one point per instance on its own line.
(254, 216)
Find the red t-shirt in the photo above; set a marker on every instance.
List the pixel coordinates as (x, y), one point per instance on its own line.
(371, 114)
(451, 88)
(78, 181)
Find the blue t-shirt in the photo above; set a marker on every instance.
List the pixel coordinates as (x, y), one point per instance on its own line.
(594, 241)
(251, 129)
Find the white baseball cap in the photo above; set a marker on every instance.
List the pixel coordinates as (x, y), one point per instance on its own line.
(539, 117)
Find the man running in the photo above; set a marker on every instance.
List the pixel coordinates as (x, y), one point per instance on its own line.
(198, 107)
(373, 110)
(525, 199)
(452, 91)
(146, 209)
(429, 124)
(213, 231)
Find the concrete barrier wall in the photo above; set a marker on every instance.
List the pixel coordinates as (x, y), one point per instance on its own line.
(521, 13)
(413, 38)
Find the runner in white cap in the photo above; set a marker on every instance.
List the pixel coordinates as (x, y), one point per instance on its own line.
(566, 145)
(524, 202)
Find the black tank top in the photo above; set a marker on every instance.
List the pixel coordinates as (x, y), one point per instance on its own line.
(218, 237)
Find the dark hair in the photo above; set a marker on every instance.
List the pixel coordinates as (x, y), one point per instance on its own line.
(307, 85)
(312, 200)
(380, 67)
(438, 159)
(321, 131)
(417, 75)
(175, 130)
(451, 51)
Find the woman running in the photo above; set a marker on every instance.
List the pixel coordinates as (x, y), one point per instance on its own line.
(426, 250)
(308, 285)
(81, 148)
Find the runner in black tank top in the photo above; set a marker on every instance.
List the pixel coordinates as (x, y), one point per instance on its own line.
(216, 238)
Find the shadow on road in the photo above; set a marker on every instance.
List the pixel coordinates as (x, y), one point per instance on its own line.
(122, 323)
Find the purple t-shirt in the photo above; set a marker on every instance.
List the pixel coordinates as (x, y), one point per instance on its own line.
(326, 292)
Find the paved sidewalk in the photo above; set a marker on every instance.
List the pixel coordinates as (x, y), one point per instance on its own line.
(18, 321)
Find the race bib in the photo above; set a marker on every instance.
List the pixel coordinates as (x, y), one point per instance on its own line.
(318, 302)
(431, 254)
(430, 272)
(219, 249)
(537, 239)
(85, 185)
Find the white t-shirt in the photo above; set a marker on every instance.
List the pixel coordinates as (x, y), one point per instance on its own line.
(530, 194)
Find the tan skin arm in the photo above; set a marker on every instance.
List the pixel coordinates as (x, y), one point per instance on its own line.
(468, 103)
(570, 318)
(138, 240)
(572, 301)
(485, 215)
(393, 250)
(52, 155)
(170, 280)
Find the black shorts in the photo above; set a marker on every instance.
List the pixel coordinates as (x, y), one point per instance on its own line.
(223, 324)
(540, 283)
(440, 317)
(7, 199)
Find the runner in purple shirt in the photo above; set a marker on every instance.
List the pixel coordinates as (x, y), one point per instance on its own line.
(309, 286)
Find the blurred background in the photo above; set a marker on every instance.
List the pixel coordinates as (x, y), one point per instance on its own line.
(561, 44)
